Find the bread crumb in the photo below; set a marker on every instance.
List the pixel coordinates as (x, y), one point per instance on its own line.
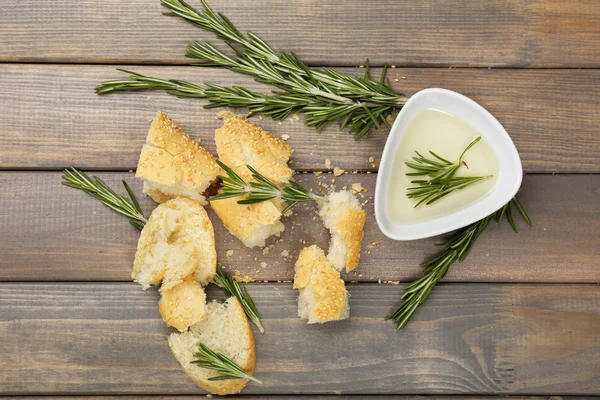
(371, 159)
(393, 66)
(337, 171)
(317, 173)
(267, 249)
(404, 77)
(229, 253)
(263, 264)
(284, 253)
(333, 180)
(296, 117)
(357, 187)
(328, 163)
(255, 258)
(285, 137)
(242, 279)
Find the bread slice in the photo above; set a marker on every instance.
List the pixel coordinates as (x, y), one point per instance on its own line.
(177, 241)
(225, 330)
(183, 305)
(253, 224)
(172, 164)
(345, 219)
(323, 295)
(240, 143)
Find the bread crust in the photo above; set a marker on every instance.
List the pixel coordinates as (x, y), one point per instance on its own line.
(240, 142)
(171, 157)
(183, 305)
(345, 220)
(185, 223)
(352, 223)
(224, 387)
(251, 223)
(327, 290)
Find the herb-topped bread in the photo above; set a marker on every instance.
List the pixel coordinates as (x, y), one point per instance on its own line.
(172, 164)
(226, 330)
(345, 219)
(177, 241)
(323, 295)
(240, 143)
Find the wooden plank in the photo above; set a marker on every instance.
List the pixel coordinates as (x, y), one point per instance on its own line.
(53, 233)
(312, 397)
(467, 339)
(52, 118)
(508, 33)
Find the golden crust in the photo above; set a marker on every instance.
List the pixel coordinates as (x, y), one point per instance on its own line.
(240, 143)
(170, 157)
(177, 241)
(183, 305)
(351, 224)
(247, 221)
(328, 291)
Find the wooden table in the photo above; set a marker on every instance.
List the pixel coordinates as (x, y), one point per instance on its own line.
(521, 316)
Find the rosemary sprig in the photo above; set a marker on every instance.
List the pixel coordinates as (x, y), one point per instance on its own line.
(206, 358)
(442, 173)
(457, 247)
(323, 95)
(261, 189)
(96, 188)
(233, 288)
(252, 48)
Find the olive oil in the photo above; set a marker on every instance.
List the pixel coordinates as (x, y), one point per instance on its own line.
(447, 136)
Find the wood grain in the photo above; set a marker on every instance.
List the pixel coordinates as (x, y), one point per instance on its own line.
(53, 233)
(506, 33)
(311, 397)
(467, 339)
(52, 118)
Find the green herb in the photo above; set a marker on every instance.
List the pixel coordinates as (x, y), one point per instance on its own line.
(206, 358)
(233, 288)
(96, 188)
(442, 172)
(261, 189)
(457, 247)
(323, 95)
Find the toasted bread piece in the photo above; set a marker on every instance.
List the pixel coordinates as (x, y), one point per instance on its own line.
(345, 219)
(226, 330)
(240, 143)
(251, 223)
(177, 241)
(323, 295)
(172, 164)
(183, 305)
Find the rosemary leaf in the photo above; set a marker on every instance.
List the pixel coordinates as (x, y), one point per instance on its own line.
(233, 288)
(95, 187)
(206, 358)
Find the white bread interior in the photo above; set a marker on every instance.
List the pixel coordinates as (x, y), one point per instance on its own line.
(177, 241)
(173, 165)
(226, 330)
(183, 305)
(323, 296)
(345, 219)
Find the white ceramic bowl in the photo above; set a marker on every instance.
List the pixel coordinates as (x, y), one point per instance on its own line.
(507, 185)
